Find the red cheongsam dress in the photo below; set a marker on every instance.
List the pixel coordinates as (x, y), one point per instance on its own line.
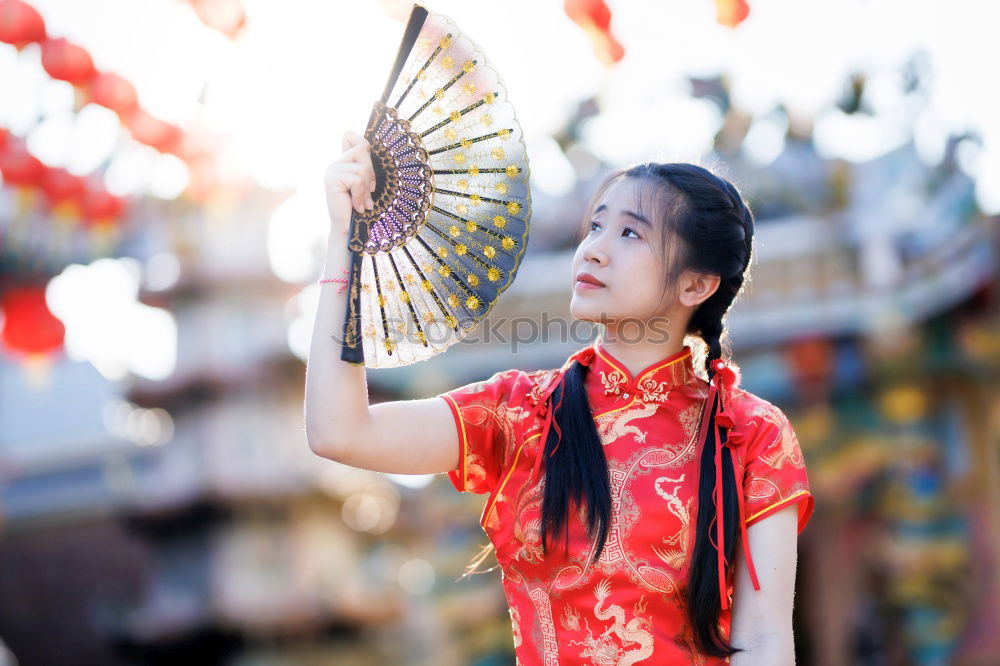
(627, 607)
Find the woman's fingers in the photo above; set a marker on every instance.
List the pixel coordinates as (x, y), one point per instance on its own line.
(358, 153)
(351, 139)
(356, 160)
(345, 180)
(350, 181)
(361, 154)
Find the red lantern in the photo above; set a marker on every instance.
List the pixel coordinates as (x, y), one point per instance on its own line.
(731, 13)
(19, 167)
(66, 61)
(594, 17)
(29, 327)
(4, 139)
(101, 208)
(153, 132)
(811, 361)
(64, 191)
(115, 93)
(226, 16)
(204, 178)
(20, 24)
(190, 148)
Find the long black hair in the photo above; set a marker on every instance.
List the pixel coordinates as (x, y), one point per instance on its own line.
(703, 225)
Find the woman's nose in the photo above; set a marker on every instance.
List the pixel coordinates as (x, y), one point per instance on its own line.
(594, 251)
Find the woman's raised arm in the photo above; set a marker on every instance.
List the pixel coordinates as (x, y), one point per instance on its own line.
(399, 437)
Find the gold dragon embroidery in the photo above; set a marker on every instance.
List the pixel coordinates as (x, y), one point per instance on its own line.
(615, 424)
(604, 650)
(676, 555)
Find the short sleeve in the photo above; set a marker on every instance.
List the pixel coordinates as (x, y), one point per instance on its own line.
(775, 473)
(480, 411)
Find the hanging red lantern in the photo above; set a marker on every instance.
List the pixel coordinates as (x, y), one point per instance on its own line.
(101, 208)
(811, 361)
(204, 178)
(193, 146)
(594, 17)
(19, 167)
(20, 24)
(4, 139)
(153, 132)
(66, 61)
(113, 92)
(226, 16)
(29, 327)
(731, 13)
(64, 192)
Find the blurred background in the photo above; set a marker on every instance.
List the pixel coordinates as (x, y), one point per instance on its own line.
(162, 227)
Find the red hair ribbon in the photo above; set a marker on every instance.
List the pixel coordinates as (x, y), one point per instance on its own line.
(725, 379)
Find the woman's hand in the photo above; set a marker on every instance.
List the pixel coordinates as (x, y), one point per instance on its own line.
(350, 182)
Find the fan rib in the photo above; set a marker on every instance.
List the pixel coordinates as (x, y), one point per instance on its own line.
(416, 76)
(378, 287)
(471, 107)
(495, 235)
(466, 288)
(433, 292)
(443, 172)
(430, 100)
(482, 263)
(409, 299)
(457, 145)
(481, 198)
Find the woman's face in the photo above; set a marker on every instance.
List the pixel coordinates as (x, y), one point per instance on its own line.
(620, 251)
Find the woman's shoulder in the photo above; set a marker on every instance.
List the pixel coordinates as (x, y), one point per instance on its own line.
(750, 405)
(534, 385)
(754, 417)
(515, 382)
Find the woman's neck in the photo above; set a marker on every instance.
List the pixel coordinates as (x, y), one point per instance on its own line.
(638, 354)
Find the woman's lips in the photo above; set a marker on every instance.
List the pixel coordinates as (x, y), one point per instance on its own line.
(580, 284)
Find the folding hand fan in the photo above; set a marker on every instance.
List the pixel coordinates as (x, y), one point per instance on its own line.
(450, 222)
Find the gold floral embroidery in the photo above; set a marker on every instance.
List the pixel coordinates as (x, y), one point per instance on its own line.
(570, 619)
(613, 382)
(654, 385)
(653, 391)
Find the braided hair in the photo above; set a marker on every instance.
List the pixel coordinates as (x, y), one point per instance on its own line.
(703, 225)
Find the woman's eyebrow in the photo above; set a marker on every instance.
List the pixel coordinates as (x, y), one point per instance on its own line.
(635, 216)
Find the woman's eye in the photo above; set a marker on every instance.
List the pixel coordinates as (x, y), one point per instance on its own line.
(592, 225)
(632, 230)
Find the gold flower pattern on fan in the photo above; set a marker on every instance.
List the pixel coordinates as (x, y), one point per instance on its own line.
(452, 202)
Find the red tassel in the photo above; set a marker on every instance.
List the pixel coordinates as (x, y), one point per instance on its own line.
(725, 377)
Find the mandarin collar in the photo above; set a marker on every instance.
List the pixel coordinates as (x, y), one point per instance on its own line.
(610, 379)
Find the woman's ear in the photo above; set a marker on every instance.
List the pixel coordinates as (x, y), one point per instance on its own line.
(696, 288)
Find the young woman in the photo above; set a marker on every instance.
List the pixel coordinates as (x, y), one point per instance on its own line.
(607, 475)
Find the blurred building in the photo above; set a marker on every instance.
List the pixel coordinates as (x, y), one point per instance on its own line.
(183, 517)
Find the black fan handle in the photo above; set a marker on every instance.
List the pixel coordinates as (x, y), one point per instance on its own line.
(352, 350)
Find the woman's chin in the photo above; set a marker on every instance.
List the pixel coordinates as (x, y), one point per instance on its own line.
(585, 312)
